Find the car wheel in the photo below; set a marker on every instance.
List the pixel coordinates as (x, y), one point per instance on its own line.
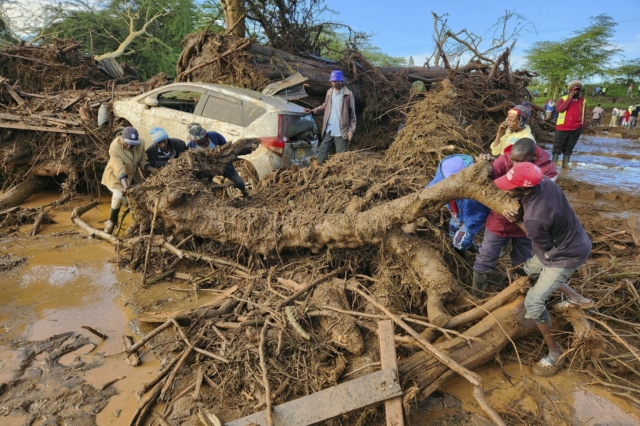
(248, 174)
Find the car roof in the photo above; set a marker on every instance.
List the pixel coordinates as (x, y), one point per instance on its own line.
(244, 94)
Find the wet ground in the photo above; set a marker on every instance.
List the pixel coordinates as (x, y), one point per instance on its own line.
(69, 281)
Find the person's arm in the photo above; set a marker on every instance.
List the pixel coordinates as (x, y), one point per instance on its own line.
(538, 232)
(143, 163)
(220, 139)
(319, 109)
(151, 165)
(119, 169)
(352, 117)
(562, 105)
(495, 146)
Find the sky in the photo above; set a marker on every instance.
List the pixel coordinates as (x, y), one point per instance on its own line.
(405, 27)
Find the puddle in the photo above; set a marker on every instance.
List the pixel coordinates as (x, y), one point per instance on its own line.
(563, 399)
(67, 283)
(607, 162)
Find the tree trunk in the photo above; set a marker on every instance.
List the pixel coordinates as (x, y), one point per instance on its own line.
(234, 17)
(19, 193)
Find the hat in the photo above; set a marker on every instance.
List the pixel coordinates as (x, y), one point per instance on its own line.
(574, 83)
(196, 132)
(452, 166)
(336, 75)
(522, 175)
(158, 134)
(523, 111)
(130, 136)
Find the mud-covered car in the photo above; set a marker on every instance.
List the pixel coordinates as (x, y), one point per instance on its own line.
(288, 135)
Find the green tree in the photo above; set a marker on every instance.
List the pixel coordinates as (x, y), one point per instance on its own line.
(588, 53)
(411, 62)
(629, 70)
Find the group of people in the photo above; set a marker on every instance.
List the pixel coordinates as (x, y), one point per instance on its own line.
(128, 156)
(625, 117)
(547, 241)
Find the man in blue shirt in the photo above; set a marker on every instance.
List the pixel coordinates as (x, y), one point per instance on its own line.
(199, 138)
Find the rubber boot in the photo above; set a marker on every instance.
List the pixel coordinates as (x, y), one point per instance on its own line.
(480, 284)
(565, 161)
(555, 159)
(112, 222)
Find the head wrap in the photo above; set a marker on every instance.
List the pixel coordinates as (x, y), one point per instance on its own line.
(452, 166)
(523, 111)
(574, 83)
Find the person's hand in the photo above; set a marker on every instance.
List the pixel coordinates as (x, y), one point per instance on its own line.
(152, 170)
(349, 135)
(124, 191)
(485, 157)
(307, 110)
(502, 127)
(511, 214)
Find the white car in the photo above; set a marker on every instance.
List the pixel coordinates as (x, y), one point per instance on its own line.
(288, 135)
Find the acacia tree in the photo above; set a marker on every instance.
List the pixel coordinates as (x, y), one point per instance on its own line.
(589, 52)
(629, 70)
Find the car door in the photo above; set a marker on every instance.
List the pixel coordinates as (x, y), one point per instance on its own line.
(176, 107)
(223, 114)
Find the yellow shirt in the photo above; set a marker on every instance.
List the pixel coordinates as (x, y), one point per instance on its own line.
(509, 138)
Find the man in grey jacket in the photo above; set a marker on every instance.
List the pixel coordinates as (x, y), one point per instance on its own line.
(339, 118)
(560, 246)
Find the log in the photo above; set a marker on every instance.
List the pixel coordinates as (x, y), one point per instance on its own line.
(19, 193)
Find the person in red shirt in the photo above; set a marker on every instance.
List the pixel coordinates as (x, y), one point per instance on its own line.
(572, 113)
(498, 230)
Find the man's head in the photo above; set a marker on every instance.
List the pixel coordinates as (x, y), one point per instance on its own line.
(598, 104)
(336, 79)
(575, 88)
(160, 137)
(523, 151)
(517, 116)
(130, 138)
(198, 135)
(520, 180)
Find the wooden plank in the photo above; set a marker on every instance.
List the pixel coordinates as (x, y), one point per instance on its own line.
(388, 360)
(330, 402)
(13, 93)
(10, 117)
(164, 316)
(22, 126)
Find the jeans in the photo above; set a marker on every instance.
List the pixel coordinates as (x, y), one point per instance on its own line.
(342, 145)
(231, 173)
(549, 280)
(117, 199)
(490, 251)
(565, 141)
(632, 122)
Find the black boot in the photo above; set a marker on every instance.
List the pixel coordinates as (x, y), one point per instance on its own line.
(480, 284)
(555, 159)
(112, 222)
(565, 161)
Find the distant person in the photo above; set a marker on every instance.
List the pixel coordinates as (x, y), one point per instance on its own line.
(163, 149)
(546, 90)
(467, 216)
(598, 91)
(339, 122)
(597, 112)
(549, 107)
(625, 118)
(604, 91)
(499, 232)
(572, 113)
(199, 138)
(630, 90)
(126, 157)
(633, 116)
(614, 117)
(560, 246)
(513, 128)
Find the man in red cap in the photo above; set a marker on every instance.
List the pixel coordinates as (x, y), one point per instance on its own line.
(340, 123)
(560, 247)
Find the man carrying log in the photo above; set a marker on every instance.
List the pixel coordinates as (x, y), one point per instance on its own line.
(572, 113)
(340, 121)
(560, 247)
(499, 232)
(126, 157)
(199, 138)
(163, 149)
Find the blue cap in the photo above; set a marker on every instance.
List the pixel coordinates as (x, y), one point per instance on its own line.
(452, 166)
(158, 134)
(130, 136)
(336, 75)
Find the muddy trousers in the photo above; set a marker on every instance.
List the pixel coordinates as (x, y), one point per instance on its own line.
(490, 251)
(231, 173)
(342, 145)
(565, 141)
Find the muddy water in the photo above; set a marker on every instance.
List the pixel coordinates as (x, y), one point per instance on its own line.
(563, 399)
(607, 162)
(69, 282)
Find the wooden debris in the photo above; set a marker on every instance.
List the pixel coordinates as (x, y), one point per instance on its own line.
(393, 407)
(95, 331)
(132, 357)
(22, 126)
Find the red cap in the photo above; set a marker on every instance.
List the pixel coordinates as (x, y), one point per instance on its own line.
(522, 175)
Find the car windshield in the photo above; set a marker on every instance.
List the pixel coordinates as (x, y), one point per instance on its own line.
(298, 127)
